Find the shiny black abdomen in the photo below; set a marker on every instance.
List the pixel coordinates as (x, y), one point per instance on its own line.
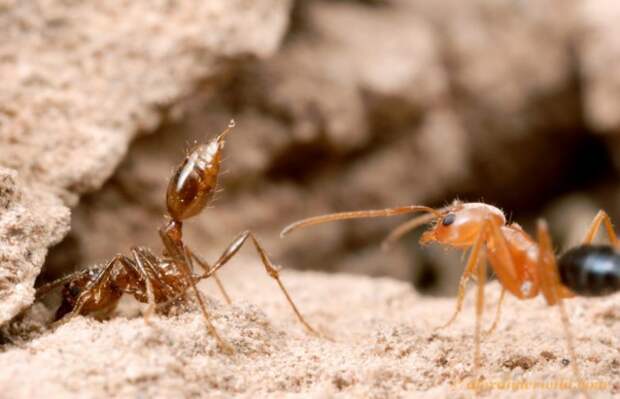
(590, 270)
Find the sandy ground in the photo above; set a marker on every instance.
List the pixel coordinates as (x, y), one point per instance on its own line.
(385, 346)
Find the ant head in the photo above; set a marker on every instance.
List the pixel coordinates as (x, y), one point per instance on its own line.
(193, 184)
(458, 224)
(70, 293)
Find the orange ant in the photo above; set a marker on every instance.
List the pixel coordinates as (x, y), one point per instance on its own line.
(523, 265)
(161, 280)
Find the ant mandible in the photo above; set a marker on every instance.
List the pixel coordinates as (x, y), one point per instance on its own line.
(523, 265)
(161, 280)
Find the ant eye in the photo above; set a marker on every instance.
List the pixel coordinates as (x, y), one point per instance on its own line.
(449, 219)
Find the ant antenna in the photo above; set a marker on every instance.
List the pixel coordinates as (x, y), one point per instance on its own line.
(414, 223)
(357, 215)
(404, 228)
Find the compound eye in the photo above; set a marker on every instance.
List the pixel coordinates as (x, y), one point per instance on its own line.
(448, 219)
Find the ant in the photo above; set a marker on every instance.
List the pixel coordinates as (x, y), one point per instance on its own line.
(524, 266)
(160, 280)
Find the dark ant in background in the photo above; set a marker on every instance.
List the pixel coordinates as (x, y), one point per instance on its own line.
(161, 280)
(523, 265)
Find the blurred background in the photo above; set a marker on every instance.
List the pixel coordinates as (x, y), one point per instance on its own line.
(372, 104)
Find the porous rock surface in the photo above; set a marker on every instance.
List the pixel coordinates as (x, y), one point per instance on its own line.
(31, 220)
(79, 81)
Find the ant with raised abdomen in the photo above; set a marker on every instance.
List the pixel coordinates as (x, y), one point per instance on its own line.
(523, 265)
(160, 280)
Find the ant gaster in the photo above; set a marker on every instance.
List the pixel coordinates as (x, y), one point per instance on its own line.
(524, 266)
(160, 280)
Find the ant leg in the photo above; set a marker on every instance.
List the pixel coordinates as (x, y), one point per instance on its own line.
(137, 266)
(504, 269)
(469, 269)
(548, 275)
(205, 266)
(550, 286)
(272, 270)
(482, 276)
(601, 217)
(497, 313)
(185, 267)
(150, 295)
(504, 266)
(181, 259)
(150, 262)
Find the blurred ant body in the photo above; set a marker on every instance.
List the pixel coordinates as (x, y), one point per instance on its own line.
(523, 265)
(160, 280)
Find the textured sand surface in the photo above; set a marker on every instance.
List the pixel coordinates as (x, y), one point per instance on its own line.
(385, 346)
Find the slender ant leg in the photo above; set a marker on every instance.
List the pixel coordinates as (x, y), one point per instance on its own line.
(270, 268)
(469, 269)
(186, 267)
(150, 295)
(507, 271)
(497, 313)
(482, 276)
(150, 264)
(601, 217)
(551, 287)
(205, 266)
